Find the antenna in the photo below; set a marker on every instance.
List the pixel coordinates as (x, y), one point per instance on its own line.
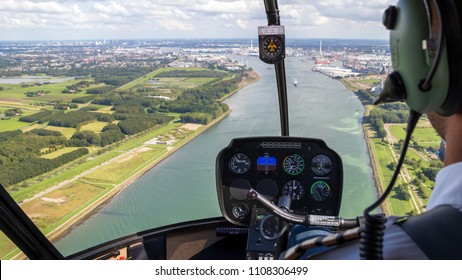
(320, 47)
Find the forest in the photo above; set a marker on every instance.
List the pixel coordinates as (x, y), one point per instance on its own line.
(385, 113)
(20, 154)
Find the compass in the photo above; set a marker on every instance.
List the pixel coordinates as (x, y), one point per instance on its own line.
(272, 44)
(272, 48)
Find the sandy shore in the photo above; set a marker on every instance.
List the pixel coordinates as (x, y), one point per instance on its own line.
(65, 228)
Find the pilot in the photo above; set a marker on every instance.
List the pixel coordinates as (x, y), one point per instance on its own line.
(436, 233)
(448, 191)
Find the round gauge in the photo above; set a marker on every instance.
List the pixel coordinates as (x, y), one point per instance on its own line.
(239, 163)
(293, 164)
(272, 46)
(294, 189)
(239, 189)
(321, 165)
(320, 191)
(268, 188)
(270, 227)
(240, 211)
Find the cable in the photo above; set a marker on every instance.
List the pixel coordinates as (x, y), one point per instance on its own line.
(371, 241)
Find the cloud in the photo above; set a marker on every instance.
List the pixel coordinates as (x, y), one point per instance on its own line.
(200, 18)
(171, 24)
(112, 8)
(32, 7)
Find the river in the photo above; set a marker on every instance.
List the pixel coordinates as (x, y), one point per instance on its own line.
(182, 187)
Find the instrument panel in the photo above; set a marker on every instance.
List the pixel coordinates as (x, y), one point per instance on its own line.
(304, 169)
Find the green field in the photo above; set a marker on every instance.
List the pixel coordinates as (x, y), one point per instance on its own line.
(118, 171)
(94, 126)
(60, 152)
(54, 91)
(167, 86)
(424, 135)
(12, 124)
(383, 155)
(65, 131)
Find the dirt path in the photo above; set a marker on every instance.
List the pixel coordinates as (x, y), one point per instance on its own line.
(390, 137)
(404, 173)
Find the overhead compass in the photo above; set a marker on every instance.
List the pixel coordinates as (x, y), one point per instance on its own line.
(272, 43)
(272, 47)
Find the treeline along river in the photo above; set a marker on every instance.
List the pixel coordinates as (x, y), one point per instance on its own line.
(182, 187)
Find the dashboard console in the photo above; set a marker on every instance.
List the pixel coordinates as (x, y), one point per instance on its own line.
(304, 169)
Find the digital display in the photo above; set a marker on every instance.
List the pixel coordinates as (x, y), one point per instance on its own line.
(266, 164)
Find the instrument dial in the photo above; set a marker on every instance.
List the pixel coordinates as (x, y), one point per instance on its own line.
(272, 47)
(240, 211)
(239, 163)
(320, 191)
(270, 227)
(293, 164)
(293, 189)
(321, 165)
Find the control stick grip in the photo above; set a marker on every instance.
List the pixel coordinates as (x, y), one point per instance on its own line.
(308, 220)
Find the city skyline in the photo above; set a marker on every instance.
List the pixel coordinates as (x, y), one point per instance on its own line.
(180, 19)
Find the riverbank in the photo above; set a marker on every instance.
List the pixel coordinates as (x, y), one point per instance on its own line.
(368, 135)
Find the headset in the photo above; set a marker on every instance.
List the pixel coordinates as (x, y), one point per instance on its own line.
(426, 53)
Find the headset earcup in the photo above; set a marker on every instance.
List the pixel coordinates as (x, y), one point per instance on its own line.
(411, 59)
(451, 14)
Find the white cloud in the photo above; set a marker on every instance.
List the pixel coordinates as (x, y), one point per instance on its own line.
(32, 7)
(171, 24)
(185, 18)
(112, 8)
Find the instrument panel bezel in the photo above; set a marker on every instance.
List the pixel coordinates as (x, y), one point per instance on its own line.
(279, 147)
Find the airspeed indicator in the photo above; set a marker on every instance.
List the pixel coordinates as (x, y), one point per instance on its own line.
(293, 164)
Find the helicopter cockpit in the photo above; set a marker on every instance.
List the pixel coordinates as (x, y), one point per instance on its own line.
(279, 196)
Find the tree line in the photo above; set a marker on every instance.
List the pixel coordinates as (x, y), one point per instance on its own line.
(20, 154)
(200, 105)
(384, 113)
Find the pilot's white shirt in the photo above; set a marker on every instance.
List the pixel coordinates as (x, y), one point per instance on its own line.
(397, 244)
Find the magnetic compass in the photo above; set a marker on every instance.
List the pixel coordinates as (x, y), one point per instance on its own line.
(272, 43)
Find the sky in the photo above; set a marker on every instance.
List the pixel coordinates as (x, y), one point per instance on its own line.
(172, 19)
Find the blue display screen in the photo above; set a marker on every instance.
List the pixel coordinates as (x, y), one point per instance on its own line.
(266, 164)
